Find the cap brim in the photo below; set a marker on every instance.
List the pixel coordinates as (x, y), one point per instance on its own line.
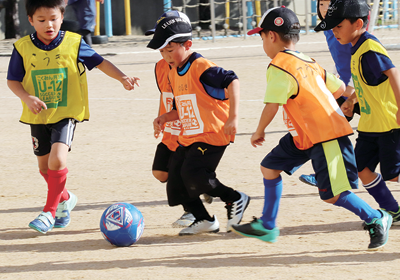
(328, 24)
(150, 32)
(159, 44)
(254, 31)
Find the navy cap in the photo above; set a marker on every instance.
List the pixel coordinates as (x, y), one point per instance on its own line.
(171, 13)
(278, 19)
(170, 29)
(339, 10)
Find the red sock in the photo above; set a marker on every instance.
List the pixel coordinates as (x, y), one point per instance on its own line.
(56, 186)
(64, 195)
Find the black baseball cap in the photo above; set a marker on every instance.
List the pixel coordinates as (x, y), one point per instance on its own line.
(170, 29)
(172, 13)
(278, 19)
(339, 10)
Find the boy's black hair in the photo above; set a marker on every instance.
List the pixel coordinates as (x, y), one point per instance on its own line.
(32, 5)
(364, 19)
(287, 38)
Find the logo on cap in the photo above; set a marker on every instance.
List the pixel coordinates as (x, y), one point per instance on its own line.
(278, 21)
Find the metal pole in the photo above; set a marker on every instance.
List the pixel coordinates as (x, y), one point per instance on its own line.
(97, 27)
(212, 10)
(307, 15)
(128, 25)
(108, 18)
(167, 5)
(244, 6)
(374, 14)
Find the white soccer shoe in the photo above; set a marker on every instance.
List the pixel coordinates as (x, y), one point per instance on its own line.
(202, 226)
(184, 221)
(236, 210)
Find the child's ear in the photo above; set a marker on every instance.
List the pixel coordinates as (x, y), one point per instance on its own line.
(30, 20)
(359, 24)
(188, 44)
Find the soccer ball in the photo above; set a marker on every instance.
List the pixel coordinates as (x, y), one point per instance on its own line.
(122, 224)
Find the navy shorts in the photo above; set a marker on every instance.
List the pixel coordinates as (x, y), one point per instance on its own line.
(333, 162)
(45, 135)
(379, 148)
(162, 158)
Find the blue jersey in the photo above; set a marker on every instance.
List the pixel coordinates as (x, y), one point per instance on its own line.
(87, 56)
(341, 55)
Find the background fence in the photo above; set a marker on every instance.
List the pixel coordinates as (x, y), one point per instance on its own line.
(211, 19)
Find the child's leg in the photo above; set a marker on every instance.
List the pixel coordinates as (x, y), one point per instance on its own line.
(376, 187)
(272, 197)
(57, 176)
(353, 203)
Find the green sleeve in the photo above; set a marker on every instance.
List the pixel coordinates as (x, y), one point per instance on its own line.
(332, 82)
(280, 86)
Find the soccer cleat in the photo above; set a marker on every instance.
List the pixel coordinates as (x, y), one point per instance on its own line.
(43, 223)
(256, 229)
(184, 221)
(202, 226)
(63, 213)
(236, 210)
(308, 179)
(208, 198)
(379, 230)
(396, 217)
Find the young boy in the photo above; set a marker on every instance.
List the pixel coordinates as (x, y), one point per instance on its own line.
(318, 131)
(341, 55)
(377, 89)
(171, 130)
(209, 122)
(47, 72)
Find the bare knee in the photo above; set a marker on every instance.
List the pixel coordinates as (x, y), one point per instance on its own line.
(161, 176)
(270, 174)
(333, 199)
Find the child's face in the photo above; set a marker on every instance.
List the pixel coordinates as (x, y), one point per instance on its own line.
(176, 54)
(323, 7)
(347, 32)
(268, 45)
(47, 23)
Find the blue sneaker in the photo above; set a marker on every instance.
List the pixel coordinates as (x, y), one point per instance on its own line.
(309, 179)
(43, 223)
(256, 229)
(63, 213)
(379, 230)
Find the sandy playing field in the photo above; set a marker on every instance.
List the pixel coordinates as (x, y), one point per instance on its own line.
(111, 161)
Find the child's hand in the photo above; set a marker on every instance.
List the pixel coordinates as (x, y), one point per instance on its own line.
(230, 127)
(347, 108)
(257, 139)
(158, 126)
(130, 82)
(35, 104)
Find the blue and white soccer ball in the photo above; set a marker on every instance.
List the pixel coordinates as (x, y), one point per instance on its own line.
(122, 224)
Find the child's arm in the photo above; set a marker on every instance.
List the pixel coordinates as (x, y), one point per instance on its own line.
(231, 125)
(34, 104)
(159, 122)
(394, 80)
(267, 116)
(111, 70)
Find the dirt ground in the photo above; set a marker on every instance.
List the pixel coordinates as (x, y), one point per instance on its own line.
(111, 161)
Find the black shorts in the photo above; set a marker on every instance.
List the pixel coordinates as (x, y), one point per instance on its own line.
(45, 135)
(162, 158)
(192, 169)
(379, 148)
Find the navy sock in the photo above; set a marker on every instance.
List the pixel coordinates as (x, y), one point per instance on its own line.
(272, 197)
(353, 203)
(382, 194)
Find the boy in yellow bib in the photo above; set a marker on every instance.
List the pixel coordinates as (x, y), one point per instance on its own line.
(318, 131)
(377, 89)
(47, 71)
